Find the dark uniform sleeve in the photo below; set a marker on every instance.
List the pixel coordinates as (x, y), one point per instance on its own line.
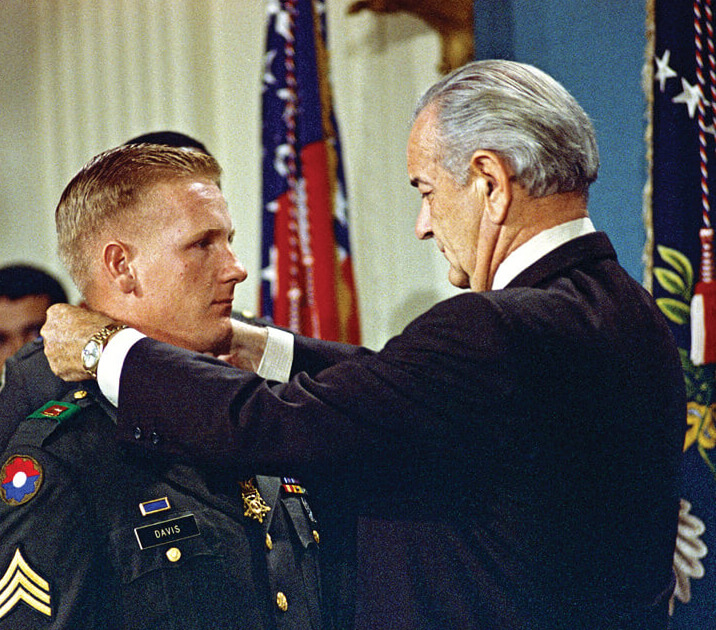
(53, 572)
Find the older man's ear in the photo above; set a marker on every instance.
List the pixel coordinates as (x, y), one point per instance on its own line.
(493, 179)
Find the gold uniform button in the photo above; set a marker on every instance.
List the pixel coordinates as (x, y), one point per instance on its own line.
(316, 536)
(269, 542)
(173, 554)
(80, 394)
(281, 601)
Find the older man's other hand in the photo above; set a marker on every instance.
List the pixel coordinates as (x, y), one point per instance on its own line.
(66, 331)
(247, 346)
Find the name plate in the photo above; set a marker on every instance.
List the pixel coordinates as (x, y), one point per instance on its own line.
(167, 531)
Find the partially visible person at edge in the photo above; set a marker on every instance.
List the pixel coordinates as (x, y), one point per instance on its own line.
(515, 451)
(26, 292)
(171, 139)
(94, 535)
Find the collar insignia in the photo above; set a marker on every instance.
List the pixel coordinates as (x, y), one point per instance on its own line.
(59, 411)
(20, 479)
(21, 583)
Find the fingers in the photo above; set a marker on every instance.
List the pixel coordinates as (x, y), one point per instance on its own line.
(247, 346)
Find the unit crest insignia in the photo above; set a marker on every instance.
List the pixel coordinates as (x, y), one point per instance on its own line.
(56, 410)
(20, 479)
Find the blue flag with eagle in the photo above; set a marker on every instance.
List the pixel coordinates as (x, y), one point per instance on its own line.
(679, 208)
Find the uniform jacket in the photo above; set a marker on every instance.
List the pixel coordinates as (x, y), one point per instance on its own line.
(95, 536)
(514, 454)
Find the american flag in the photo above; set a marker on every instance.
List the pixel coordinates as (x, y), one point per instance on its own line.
(307, 282)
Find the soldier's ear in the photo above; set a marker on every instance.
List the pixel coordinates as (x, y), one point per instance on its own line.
(117, 262)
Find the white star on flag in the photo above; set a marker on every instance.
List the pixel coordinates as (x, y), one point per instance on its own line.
(690, 96)
(340, 206)
(283, 151)
(273, 7)
(269, 78)
(269, 273)
(663, 71)
(285, 94)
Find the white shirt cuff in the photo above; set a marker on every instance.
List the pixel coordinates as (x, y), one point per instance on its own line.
(275, 364)
(278, 356)
(109, 369)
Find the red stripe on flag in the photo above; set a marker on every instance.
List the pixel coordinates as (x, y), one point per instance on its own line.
(320, 201)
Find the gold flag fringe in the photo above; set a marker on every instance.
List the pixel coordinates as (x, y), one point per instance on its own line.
(648, 86)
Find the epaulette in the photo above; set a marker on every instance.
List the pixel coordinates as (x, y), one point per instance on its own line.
(30, 348)
(45, 420)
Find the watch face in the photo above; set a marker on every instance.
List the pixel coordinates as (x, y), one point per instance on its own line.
(90, 354)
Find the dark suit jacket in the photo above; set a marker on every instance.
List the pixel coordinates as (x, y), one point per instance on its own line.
(514, 453)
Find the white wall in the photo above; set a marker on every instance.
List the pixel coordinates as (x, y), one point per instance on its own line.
(79, 76)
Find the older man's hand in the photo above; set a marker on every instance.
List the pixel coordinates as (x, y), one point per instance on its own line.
(247, 346)
(66, 331)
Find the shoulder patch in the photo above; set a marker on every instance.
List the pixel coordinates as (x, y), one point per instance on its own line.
(20, 479)
(56, 410)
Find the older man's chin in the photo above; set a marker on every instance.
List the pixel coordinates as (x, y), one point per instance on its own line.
(458, 278)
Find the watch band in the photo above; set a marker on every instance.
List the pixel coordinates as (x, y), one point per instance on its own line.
(99, 340)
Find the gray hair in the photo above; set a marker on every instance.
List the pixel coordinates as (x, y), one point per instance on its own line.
(524, 116)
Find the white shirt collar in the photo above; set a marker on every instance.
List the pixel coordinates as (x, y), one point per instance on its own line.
(538, 246)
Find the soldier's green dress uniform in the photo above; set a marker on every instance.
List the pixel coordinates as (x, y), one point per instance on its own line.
(93, 535)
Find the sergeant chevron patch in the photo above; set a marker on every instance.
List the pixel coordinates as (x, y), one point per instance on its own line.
(20, 583)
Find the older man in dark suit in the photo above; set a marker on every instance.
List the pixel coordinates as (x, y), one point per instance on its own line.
(514, 452)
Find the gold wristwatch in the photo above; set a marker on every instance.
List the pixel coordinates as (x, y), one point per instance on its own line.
(96, 344)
